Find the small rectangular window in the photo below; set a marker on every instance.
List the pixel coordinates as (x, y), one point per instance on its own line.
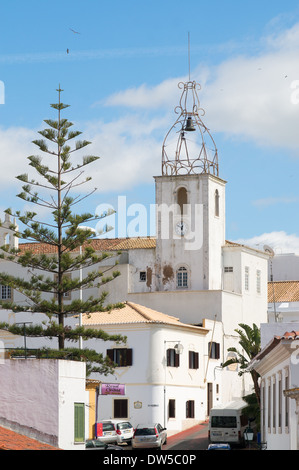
(142, 276)
(269, 406)
(246, 278)
(258, 281)
(214, 350)
(5, 292)
(173, 359)
(193, 360)
(79, 422)
(280, 403)
(171, 408)
(228, 269)
(190, 409)
(274, 404)
(286, 403)
(120, 408)
(182, 277)
(122, 357)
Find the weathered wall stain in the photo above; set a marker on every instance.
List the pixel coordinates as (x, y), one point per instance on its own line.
(149, 274)
(167, 273)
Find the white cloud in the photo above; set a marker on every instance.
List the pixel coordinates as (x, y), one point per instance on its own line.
(245, 96)
(15, 147)
(154, 97)
(270, 201)
(130, 154)
(280, 242)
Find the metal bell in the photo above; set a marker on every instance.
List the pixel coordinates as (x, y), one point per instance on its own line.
(189, 125)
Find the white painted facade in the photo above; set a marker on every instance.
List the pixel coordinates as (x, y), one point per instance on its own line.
(150, 383)
(37, 398)
(194, 275)
(277, 365)
(284, 267)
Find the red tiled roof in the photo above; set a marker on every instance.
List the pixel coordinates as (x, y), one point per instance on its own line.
(10, 440)
(290, 335)
(106, 244)
(283, 291)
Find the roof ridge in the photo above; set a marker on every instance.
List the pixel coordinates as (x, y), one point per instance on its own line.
(138, 310)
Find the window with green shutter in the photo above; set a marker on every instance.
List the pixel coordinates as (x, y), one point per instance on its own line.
(79, 422)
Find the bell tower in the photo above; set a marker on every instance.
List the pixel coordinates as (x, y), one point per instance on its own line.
(190, 202)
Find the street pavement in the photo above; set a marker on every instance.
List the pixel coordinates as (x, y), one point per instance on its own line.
(195, 438)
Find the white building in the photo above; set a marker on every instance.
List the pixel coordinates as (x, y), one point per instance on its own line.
(277, 365)
(188, 270)
(166, 371)
(46, 400)
(283, 301)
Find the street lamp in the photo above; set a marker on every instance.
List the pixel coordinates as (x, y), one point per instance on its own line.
(178, 348)
(248, 434)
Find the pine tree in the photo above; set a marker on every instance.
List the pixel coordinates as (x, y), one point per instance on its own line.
(69, 240)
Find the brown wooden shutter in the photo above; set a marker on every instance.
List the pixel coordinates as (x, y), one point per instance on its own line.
(110, 354)
(168, 357)
(190, 359)
(217, 351)
(176, 360)
(196, 360)
(129, 358)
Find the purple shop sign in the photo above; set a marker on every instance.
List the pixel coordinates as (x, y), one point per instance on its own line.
(112, 389)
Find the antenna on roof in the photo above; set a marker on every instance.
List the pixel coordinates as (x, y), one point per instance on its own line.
(270, 251)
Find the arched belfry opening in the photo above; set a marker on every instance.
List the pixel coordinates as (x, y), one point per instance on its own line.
(182, 199)
(188, 147)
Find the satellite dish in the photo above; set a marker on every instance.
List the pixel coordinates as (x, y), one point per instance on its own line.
(269, 250)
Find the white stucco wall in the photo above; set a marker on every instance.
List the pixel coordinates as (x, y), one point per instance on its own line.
(37, 398)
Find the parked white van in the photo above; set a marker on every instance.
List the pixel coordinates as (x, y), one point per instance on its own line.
(226, 423)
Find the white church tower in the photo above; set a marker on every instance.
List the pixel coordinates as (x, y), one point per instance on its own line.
(196, 274)
(190, 199)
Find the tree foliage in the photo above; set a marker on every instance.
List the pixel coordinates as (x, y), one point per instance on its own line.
(250, 343)
(58, 273)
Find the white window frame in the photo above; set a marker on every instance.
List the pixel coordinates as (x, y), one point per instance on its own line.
(246, 284)
(258, 281)
(182, 278)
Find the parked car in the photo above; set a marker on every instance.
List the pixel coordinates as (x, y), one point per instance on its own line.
(106, 432)
(148, 436)
(124, 431)
(95, 444)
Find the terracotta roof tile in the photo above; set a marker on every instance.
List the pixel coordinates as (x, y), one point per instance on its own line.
(10, 440)
(133, 313)
(290, 335)
(106, 244)
(283, 291)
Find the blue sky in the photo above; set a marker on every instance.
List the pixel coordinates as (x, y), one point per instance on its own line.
(120, 78)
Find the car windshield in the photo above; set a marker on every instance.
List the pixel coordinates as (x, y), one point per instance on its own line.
(90, 444)
(145, 432)
(122, 426)
(108, 427)
(224, 422)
